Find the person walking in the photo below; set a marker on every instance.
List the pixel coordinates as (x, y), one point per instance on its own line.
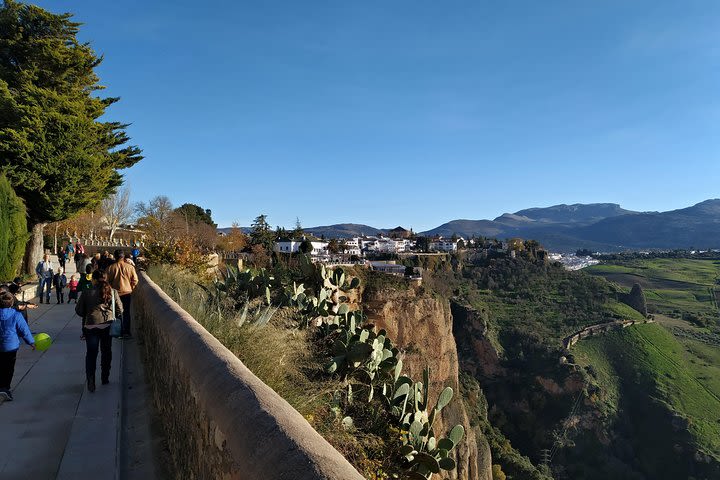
(12, 327)
(60, 282)
(85, 282)
(96, 309)
(82, 262)
(73, 289)
(123, 277)
(44, 272)
(62, 257)
(69, 250)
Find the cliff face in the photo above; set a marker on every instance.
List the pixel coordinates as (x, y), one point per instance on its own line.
(422, 326)
(478, 356)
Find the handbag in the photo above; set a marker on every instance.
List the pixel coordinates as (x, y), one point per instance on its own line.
(116, 325)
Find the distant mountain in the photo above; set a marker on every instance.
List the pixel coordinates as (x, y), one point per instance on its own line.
(597, 226)
(600, 226)
(344, 230)
(520, 223)
(227, 230)
(576, 213)
(697, 226)
(469, 228)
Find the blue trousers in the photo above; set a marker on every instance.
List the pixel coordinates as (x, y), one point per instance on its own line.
(43, 283)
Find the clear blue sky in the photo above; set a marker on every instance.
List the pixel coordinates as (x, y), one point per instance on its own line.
(412, 112)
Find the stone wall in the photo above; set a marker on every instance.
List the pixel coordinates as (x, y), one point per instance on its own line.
(600, 328)
(220, 420)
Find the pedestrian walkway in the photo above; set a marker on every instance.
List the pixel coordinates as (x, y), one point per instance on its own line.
(55, 428)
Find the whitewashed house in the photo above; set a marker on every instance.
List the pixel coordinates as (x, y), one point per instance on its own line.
(443, 245)
(352, 246)
(293, 246)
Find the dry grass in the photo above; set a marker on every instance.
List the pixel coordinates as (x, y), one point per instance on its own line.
(290, 361)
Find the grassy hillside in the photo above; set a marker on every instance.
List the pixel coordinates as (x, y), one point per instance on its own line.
(643, 371)
(637, 403)
(675, 363)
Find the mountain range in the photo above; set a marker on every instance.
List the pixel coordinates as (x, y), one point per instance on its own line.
(596, 226)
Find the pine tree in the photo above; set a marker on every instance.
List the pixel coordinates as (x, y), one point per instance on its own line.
(57, 154)
(261, 234)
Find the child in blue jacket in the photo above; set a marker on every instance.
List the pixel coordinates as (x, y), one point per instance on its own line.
(12, 326)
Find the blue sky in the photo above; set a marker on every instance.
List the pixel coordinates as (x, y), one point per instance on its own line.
(412, 112)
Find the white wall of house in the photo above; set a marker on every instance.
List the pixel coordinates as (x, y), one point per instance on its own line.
(319, 248)
(287, 247)
(293, 246)
(352, 246)
(443, 246)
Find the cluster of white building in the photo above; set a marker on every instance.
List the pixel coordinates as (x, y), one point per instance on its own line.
(571, 261)
(359, 246)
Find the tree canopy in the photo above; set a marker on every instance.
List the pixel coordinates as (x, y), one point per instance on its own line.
(13, 230)
(261, 234)
(57, 154)
(194, 214)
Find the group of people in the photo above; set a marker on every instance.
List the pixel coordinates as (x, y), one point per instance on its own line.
(108, 297)
(102, 293)
(48, 279)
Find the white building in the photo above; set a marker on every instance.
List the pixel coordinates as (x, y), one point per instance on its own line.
(443, 245)
(293, 246)
(352, 246)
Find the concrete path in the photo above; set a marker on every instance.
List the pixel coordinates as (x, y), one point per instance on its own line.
(55, 428)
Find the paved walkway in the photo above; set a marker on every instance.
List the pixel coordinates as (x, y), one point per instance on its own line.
(55, 428)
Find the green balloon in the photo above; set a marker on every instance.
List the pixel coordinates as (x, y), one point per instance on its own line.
(42, 341)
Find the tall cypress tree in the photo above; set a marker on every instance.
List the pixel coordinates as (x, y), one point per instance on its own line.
(55, 151)
(13, 231)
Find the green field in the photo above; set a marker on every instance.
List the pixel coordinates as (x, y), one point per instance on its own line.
(681, 288)
(676, 363)
(644, 370)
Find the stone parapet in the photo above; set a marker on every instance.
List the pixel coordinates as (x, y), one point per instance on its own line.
(220, 420)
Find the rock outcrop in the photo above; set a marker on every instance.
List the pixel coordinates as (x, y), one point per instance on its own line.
(422, 326)
(636, 299)
(470, 327)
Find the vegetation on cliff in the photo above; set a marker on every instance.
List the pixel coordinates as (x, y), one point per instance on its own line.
(360, 400)
(584, 411)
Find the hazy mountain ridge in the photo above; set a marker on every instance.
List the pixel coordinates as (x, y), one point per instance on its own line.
(602, 226)
(596, 226)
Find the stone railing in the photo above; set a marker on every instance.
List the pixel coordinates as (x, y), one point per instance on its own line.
(220, 420)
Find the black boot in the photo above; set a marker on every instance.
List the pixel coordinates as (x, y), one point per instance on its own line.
(91, 383)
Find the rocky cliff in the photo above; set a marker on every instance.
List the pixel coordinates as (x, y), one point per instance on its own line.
(422, 326)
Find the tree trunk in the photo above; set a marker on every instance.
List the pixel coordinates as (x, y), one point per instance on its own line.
(34, 249)
(55, 248)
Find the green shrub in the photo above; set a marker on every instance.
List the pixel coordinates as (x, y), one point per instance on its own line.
(13, 230)
(497, 473)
